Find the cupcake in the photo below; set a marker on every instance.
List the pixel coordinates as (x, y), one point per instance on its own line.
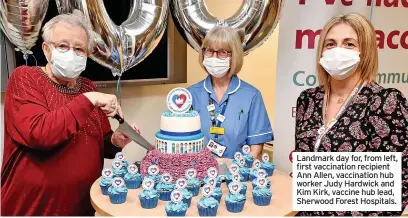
(133, 178)
(207, 205)
(254, 184)
(247, 156)
(106, 181)
(232, 170)
(216, 191)
(193, 183)
(235, 201)
(181, 184)
(176, 207)
(121, 157)
(149, 197)
(244, 172)
(165, 187)
(118, 169)
(213, 173)
(266, 165)
(254, 172)
(237, 178)
(118, 191)
(153, 174)
(261, 194)
(218, 180)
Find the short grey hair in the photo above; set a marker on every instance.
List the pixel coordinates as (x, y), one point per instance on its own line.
(77, 18)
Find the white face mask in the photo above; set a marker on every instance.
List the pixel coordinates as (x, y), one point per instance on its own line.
(67, 65)
(340, 63)
(217, 67)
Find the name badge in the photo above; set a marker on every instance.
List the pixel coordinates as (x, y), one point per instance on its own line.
(211, 107)
(216, 148)
(221, 118)
(217, 130)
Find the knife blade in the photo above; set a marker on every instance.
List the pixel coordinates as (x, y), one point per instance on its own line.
(132, 134)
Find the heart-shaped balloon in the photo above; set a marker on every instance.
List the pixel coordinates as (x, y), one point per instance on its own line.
(233, 168)
(257, 164)
(181, 183)
(119, 156)
(207, 190)
(234, 187)
(118, 182)
(246, 149)
(265, 157)
(237, 155)
(176, 196)
(153, 170)
(107, 173)
(117, 164)
(166, 178)
(212, 172)
(148, 184)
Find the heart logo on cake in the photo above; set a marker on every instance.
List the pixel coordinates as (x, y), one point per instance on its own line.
(176, 196)
(148, 184)
(179, 100)
(107, 173)
(212, 172)
(119, 156)
(207, 189)
(261, 182)
(261, 173)
(212, 181)
(265, 157)
(236, 177)
(257, 164)
(246, 149)
(237, 155)
(234, 187)
(153, 170)
(166, 178)
(118, 182)
(191, 173)
(117, 164)
(181, 183)
(132, 169)
(233, 168)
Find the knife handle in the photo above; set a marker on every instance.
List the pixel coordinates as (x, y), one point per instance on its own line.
(119, 118)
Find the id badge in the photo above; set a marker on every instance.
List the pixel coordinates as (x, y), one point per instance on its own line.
(216, 148)
(217, 130)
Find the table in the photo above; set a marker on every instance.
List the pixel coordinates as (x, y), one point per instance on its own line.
(281, 203)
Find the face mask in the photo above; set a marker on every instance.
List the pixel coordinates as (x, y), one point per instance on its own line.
(67, 65)
(216, 67)
(340, 63)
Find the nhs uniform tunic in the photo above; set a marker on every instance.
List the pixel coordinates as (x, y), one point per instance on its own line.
(246, 120)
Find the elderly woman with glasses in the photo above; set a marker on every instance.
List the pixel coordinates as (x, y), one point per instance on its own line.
(57, 131)
(232, 111)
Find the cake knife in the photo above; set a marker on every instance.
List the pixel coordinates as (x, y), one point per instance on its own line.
(131, 133)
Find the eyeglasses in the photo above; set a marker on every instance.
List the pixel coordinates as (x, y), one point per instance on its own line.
(221, 54)
(64, 47)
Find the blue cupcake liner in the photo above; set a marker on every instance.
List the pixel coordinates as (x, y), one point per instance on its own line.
(245, 177)
(104, 189)
(149, 203)
(218, 184)
(243, 190)
(269, 171)
(165, 195)
(267, 186)
(248, 163)
(262, 200)
(194, 190)
(207, 211)
(118, 198)
(122, 175)
(176, 213)
(217, 197)
(187, 201)
(133, 184)
(252, 177)
(235, 207)
(228, 181)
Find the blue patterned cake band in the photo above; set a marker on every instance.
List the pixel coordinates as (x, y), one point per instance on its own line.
(187, 114)
(177, 147)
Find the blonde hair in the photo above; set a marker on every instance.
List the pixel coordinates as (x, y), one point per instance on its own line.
(227, 38)
(367, 41)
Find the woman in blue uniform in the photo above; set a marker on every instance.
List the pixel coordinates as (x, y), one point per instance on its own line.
(232, 111)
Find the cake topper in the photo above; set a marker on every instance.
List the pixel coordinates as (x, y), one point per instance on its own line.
(212, 181)
(166, 178)
(119, 156)
(181, 183)
(261, 173)
(241, 162)
(261, 182)
(117, 164)
(233, 169)
(265, 157)
(246, 149)
(153, 170)
(179, 100)
(132, 169)
(176, 196)
(212, 172)
(118, 182)
(257, 164)
(191, 173)
(148, 184)
(236, 177)
(237, 155)
(234, 187)
(193, 163)
(107, 173)
(207, 190)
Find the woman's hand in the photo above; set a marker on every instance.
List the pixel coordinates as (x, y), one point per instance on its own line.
(119, 139)
(107, 102)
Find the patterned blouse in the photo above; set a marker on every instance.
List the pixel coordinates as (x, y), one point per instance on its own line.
(376, 120)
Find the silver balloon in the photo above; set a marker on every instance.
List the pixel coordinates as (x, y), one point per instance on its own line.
(258, 17)
(21, 22)
(122, 47)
